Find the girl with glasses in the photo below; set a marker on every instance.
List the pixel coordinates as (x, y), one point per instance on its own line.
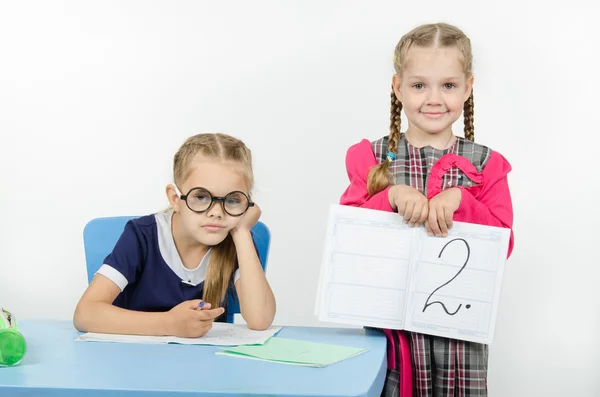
(170, 273)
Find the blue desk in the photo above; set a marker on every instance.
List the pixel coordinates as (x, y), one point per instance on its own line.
(55, 365)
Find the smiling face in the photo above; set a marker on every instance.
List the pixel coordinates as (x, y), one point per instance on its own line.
(433, 88)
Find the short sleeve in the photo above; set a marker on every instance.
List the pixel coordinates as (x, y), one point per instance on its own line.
(124, 264)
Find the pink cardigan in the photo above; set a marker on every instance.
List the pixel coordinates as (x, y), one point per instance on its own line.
(488, 202)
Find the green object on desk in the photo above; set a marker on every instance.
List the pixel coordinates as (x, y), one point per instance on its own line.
(295, 352)
(12, 342)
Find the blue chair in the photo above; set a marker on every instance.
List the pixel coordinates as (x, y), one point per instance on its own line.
(101, 234)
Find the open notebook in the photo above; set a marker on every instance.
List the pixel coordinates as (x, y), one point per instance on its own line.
(379, 272)
(221, 334)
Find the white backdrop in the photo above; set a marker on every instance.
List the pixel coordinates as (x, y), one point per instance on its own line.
(96, 97)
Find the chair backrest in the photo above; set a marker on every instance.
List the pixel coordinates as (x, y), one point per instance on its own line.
(101, 234)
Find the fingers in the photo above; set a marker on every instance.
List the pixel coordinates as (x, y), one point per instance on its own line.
(441, 211)
(402, 207)
(206, 326)
(423, 216)
(434, 226)
(441, 218)
(414, 212)
(448, 217)
(408, 212)
(210, 314)
(197, 330)
(417, 213)
(429, 231)
(198, 304)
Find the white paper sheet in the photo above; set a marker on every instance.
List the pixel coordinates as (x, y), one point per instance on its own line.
(456, 282)
(365, 269)
(379, 272)
(221, 334)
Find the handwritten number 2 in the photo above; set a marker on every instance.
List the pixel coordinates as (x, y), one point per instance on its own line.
(427, 303)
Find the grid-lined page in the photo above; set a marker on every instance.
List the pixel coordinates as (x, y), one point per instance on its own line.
(456, 281)
(365, 267)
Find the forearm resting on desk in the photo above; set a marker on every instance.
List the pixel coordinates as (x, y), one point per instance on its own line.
(103, 317)
(94, 313)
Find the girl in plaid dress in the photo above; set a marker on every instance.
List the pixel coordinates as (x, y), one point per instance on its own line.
(432, 177)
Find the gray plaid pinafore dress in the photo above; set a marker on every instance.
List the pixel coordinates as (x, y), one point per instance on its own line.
(442, 367)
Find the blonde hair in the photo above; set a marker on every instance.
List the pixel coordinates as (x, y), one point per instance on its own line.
(223, 256)
(429, 35)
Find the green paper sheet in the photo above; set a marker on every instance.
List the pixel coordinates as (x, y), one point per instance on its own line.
(295, 352)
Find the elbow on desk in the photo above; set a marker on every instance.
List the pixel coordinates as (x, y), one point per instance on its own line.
(258, 325)
(259, 318)
(80, 318)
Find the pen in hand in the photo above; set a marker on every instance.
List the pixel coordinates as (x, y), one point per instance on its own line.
(206, 306)
(203, 305)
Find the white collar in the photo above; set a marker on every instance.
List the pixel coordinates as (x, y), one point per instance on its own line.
(168, 250)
